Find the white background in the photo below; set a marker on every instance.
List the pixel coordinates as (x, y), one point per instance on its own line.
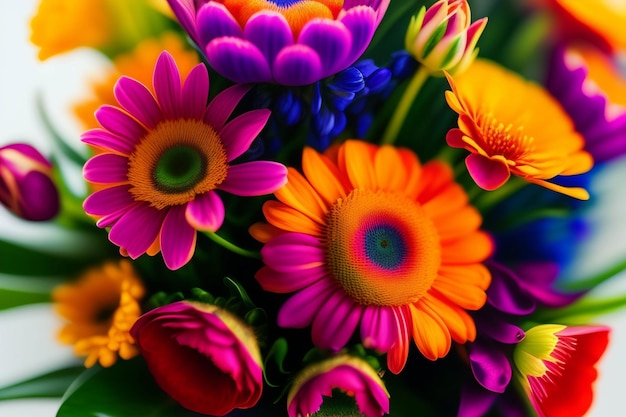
(27, 344)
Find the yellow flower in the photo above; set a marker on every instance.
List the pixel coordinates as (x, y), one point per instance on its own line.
(510, 125)
(137, 64)
(106, 25)
(101, 307)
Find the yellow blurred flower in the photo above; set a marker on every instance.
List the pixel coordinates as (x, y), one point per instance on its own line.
(101, 307)
(109, 26)
(137, 64)
(512, 126)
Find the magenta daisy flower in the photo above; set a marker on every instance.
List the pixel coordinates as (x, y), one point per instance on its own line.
(162, 156)
(290, 42)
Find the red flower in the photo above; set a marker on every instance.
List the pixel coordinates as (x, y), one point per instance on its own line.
(202, 356)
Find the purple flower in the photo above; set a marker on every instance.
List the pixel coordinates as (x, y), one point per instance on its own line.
(163, 155)
(591, 89)
(351, 375)
(26, 185)
(202, 356)
(286, 42)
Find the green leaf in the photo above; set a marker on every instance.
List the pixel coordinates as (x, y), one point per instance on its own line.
(126, 389)
(21, 260)
(51, 385)
(13, 298)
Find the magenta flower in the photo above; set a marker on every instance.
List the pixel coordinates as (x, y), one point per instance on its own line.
(351, 375)
(26, 185)
(202, 356)
(290, 42)
(162, 156)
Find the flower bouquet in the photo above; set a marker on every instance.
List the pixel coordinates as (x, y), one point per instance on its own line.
(326, 207)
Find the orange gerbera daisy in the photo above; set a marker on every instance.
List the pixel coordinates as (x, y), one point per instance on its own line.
(101, 307)
(368, 235)
(514, 126)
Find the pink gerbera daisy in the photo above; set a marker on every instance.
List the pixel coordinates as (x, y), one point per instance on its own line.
(162, 156)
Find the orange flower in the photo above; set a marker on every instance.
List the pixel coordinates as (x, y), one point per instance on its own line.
(510, 125)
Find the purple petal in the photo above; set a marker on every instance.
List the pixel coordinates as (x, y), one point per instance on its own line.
(475, 401)
(361, 21)
(335, 321)
(254, 178)
(221, 107)
(238, 60)
(488, 174)
(492, 325)
(195, 93)
(108, 201)
(39, 198)
(297, 65)
(239, 133)
(490, 366)
(28, 151)
(106, 168)
(215, 21)
(137, 229)
(377, 328)
(206, 212)
(185, 12)
(120, 123)
(167, 86)
(178, 238)
(108, 141)
(505, 293)
(137, 100)
(539, 279)
(298, 311)
(270, 32)
(331, 40)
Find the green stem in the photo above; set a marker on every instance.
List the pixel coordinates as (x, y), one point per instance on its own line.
(402, 109)
(231, 246)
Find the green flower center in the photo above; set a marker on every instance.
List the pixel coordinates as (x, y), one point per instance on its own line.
(179, 168)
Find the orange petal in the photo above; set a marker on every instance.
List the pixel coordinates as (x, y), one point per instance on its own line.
(323, 175)
(289, 219)
(430, 333)
(469, 249)
(300, 195)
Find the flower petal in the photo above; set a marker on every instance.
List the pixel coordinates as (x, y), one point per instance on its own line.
(361, 21)
(178, 238)
(167, 86)
(205, 212)
(137, 100)
(331, 40)
(335, 321)
(238, 60)
(489, 174)
(195, 94)
(215, 21)
(305, 252)
(491, 366)
(137, 229)
(299, 310)
(378, 327)
(106, 168)
(120, 123)
(297, 65)
(254, 178)
(222, 106)
(238, 134)
(108, 201)
(108, 141)
(270, 32)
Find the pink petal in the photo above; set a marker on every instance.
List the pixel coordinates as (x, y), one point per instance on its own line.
(108, 201)
(108, 141)
(297, 65)
(270, 32)
(298, 311)
(185, 12)
(378, 328)
(238, 60)
(331, 40)
(195, 93)
(239, 133)
(106, 168)
(167, 86)
(361, 21)
(285, 282)
(137, 229)
(335, 321)
(205, 212)
(120, 123)
(222, 106)
(137, 100)
(254, 178)
(488, 174)
(291, 252)
(178, 238)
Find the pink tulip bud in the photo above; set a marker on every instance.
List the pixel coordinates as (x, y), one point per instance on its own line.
(442, 39)
(26, 185)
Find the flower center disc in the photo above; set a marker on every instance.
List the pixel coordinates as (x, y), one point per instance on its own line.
(176, 161)
(383, 249)
(509, 141)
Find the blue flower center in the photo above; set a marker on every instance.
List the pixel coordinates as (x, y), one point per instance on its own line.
(385, 247)
(285, 3)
